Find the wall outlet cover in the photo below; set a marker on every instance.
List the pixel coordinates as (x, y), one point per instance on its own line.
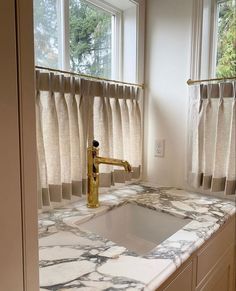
(159, 149)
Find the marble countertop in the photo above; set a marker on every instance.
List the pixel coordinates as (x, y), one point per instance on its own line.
(71, 259)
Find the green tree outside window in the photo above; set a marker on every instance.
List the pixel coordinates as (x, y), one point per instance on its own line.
(226, 45)
(90, 37)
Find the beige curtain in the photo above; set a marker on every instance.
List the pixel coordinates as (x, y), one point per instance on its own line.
(71, 112)
(212, 144)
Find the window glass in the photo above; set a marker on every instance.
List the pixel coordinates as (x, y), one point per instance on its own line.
(46, 33)
(90, 39)
(226, 39)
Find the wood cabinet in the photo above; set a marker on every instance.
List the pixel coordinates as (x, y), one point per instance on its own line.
(183, 281)
(211, 268)
(220, 278)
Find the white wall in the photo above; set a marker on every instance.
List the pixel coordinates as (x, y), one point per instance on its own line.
(168, 47)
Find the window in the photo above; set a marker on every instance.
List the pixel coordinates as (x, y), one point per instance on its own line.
(77, 35)
(46, 33)
(214, 39)
(90, 39)
(103, 38)
(226, 39)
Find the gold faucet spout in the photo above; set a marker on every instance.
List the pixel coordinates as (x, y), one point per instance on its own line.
(114, 162)
(93, 172)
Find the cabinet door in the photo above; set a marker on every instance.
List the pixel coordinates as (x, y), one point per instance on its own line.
(215, 249)
(221, 278)
(183, 282)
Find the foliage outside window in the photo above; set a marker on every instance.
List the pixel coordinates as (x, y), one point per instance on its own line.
(226, 39)
(89, 42)
(90, 39)
(46, 33)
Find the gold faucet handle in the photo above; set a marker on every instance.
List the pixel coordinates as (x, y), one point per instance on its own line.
(95, 143)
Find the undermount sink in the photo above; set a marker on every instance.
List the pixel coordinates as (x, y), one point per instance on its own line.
(137, 228)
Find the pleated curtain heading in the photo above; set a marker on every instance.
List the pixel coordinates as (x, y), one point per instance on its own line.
(212, 146)
(71, 112)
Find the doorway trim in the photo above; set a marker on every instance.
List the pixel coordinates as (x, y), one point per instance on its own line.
(27, 136)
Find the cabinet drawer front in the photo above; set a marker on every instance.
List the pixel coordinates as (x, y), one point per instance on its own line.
(214, 250)
(183, 282)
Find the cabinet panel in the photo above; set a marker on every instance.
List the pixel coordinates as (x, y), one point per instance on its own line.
(209, 256)
(222, 276)
(183, 281)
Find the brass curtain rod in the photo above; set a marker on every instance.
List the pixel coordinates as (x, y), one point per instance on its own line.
(191, 82)
(89, 76)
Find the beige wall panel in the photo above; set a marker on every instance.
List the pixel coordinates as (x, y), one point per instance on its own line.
(11, 267)
(28, 142)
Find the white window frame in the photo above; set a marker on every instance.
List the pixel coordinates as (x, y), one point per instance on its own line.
(204, 39)
(215, 36)
(131, 71)
(209, 39)
(64, 51)
(63, 22)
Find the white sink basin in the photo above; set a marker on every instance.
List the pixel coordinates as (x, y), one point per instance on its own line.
(137, 228)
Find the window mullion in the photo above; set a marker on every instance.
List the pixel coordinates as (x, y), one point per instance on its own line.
(117, 43)
(214, 37)
(116, 48)
(63, 6)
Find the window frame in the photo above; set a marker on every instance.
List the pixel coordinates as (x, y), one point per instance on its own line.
(204, 39)
(215, 36)
(209, 33)
(133, 71)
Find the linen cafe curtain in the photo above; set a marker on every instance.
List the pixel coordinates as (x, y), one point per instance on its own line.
(212, 129)
(70, 113)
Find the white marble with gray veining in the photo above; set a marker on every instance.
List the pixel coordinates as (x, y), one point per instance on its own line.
(71, 259)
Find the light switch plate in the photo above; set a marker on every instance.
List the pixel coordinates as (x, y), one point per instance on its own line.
(159, 149)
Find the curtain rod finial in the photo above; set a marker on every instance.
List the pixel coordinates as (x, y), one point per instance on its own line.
(189, 81)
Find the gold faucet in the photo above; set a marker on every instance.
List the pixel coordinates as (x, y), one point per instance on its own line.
(93, 172)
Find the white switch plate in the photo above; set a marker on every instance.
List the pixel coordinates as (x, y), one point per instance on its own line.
(159, 149)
